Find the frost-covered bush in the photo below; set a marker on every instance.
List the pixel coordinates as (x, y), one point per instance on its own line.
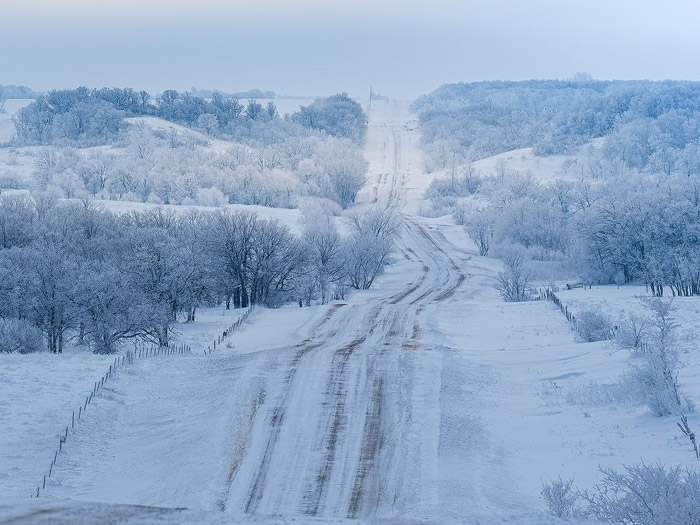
(654, 374)
(654, 382)
(633, 333)
(479, 225)
(592, 393)
(593, 325)
(461, 182)
(337, 115)
(19, 336)
(645, 495)
(559, 497)
(513, 284)
(211, 197)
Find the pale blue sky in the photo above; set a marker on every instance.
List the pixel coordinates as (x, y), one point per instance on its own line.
(404, 48)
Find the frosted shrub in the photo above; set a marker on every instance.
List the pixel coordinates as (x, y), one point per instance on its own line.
(646, 495)
(654, 375)
(633, 333)
(560, 499)
(654, 381)
(19, 336)
(459, 215)
(593, 325)
(211, 197)
(513, 285)
(591, 393)
(480, 226)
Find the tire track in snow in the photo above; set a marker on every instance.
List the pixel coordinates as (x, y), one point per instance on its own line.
(372, 440)
(336, 390)
(275, 425)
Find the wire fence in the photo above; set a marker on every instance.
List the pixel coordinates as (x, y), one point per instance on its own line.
(140, 352)
(221, 338)
(549, 295)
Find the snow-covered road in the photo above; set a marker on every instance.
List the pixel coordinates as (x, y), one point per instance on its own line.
(417, 399)
(350, 425)
(424, 398)
(336, 413)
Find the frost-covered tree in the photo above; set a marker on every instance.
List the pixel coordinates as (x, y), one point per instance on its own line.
(513, 284)
(480, 226)
(337, 115)
(324, 247)
(345, 168)
(655, 375)
(17, 218)
(369, 247)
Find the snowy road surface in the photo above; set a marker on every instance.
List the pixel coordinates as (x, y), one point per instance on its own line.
(418, 399)
(341, 418)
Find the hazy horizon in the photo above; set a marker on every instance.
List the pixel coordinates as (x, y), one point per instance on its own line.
(403, 49)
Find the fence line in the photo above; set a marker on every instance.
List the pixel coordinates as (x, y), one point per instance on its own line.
(141, 352)
(551, 296)
(219, 339)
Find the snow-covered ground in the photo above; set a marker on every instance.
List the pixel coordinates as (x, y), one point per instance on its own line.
(426, 397)
(50, 512)
(545, 168)
(619, 302)
(12, 106)
(40, 391)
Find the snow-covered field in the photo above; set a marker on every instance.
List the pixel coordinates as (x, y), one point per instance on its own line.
(425, 398)
(40, 391)
(620, 302)
(545, 168)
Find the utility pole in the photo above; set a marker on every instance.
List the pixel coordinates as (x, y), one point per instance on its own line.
(369, 104)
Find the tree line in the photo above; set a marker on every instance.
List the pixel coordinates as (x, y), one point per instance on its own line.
(179, 168)
(89, 117)
(645, 125)
(605, 231)
(73, 273)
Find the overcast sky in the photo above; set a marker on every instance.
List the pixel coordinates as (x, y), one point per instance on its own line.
(316, 47)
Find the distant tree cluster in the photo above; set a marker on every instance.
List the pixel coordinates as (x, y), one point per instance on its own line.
(10, 91)
(624, 211)
(254, 93)
(650, 126)
(88, 117)
(337, 115)
(72, 273)
(171, 167)
(271, 161)
(607, 230)
(648, 232)
(84, 116)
